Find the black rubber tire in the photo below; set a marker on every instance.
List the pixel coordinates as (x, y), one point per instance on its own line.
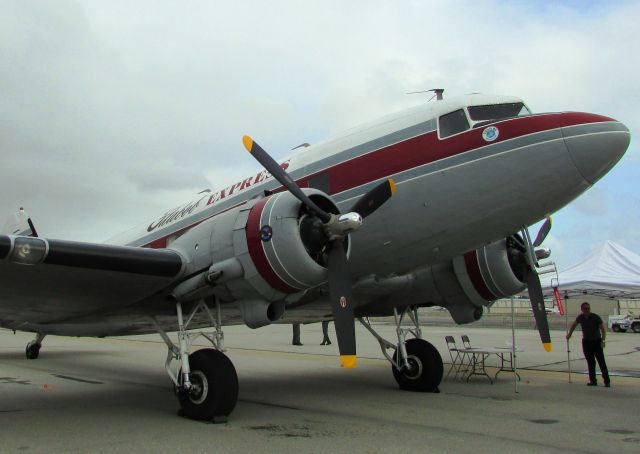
(33, 350)
(636, 327)
(615, 328)
(214, 375)
(426, 358)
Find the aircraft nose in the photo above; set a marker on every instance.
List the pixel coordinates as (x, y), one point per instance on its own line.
(596, 147)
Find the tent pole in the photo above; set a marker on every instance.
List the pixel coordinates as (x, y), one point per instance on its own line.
(566, 330)
(513, 349)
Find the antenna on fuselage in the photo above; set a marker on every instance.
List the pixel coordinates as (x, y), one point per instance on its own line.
(437, 93)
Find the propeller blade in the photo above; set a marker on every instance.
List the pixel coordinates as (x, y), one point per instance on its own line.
(342, 304)
(537, 305)
(373, 199)
(543, 232)
(283, 177)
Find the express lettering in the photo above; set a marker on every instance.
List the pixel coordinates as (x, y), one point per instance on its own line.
(242, 185)
(181, 212)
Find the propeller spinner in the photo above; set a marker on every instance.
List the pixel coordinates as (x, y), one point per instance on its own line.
(330, 238)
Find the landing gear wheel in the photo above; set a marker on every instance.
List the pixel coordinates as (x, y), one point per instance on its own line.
(33, 350)
(425, 372)
(214, 390)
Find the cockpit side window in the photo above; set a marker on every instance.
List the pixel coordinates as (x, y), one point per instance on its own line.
(497, 111)
(453, 123)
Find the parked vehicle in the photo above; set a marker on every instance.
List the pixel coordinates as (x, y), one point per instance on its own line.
(621, 323)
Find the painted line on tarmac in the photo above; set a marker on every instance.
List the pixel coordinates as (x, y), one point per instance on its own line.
(81, 380)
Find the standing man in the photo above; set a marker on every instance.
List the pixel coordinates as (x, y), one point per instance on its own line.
(325, 333)
(593, 336)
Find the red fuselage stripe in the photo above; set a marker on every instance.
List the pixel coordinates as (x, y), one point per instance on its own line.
(428, 148)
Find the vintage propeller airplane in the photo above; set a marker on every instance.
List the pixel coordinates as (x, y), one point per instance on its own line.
(319, 236)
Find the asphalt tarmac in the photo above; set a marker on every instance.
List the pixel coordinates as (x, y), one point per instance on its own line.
(112, 395)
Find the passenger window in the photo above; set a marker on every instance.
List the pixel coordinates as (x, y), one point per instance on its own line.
(453, 123)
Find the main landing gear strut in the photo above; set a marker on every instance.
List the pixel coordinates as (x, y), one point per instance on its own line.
(415, 363)
(206, 382)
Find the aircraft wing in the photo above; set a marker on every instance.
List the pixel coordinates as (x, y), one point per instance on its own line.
(48, 281)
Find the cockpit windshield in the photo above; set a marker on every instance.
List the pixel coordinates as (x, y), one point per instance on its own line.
(476, 116)
(497, 111)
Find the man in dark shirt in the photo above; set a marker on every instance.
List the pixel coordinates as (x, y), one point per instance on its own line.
(593, 336)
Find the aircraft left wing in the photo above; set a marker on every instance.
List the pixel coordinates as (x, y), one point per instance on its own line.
(50, 281)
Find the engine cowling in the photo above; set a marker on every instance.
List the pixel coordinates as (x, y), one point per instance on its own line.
(488, 272)
(282, 241)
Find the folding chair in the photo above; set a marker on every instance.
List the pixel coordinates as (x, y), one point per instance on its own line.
(470, 357)
(456, 356)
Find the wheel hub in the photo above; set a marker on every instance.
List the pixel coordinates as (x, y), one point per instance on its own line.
(414, 371)
(199, 387)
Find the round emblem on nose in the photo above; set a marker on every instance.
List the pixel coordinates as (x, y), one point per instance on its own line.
(490, 134)
(343, 302)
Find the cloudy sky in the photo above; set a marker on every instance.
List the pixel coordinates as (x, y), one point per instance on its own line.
(112, 112)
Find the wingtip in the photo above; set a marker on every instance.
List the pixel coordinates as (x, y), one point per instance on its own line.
(247, 142)
(348, 361)
(548, 346)
(392, 186)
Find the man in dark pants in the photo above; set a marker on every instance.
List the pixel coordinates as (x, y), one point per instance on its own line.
(593, 336)
(325, 333)
(296, 334)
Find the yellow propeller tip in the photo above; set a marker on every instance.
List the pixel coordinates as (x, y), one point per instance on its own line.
(548, 346)
(392, 186)
(247, 142)
(348, 361)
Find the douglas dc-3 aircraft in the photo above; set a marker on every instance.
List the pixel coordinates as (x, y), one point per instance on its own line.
(319, 236)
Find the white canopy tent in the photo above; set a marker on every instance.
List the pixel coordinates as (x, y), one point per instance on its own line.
(611, 271)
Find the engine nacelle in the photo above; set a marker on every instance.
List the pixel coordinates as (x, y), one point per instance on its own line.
(258, 313)
(487, 273)
(276, 246)
(468, 283)
(260, 252)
